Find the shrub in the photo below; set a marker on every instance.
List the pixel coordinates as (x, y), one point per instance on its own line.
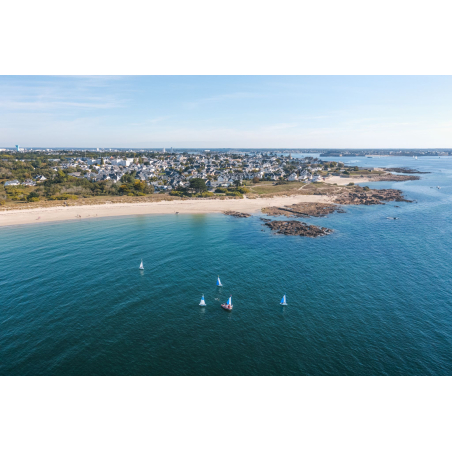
(63, 197)
(235, 193)
(366, 188)
(33, 197)
(255, 180)
(221, 190)
(351, 183)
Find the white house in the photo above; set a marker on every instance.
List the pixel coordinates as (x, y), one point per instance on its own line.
(292, 177)
(12, 182)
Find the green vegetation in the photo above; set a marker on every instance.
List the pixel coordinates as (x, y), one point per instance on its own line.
(58, 184)
(135, 187)
(33, 197)
(199, 185)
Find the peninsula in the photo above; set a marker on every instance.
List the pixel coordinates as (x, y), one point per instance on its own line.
(36, 187)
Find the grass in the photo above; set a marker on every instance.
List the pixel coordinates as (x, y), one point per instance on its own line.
(268, 188)
(95, 200)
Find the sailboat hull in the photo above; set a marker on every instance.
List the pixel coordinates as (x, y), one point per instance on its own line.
(227, 307)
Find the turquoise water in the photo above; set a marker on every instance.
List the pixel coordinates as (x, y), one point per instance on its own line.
(374, 298)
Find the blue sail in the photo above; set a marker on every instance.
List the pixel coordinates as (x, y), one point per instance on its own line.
(283, 300)
(219, 282)
(229, 301)
(203, 303)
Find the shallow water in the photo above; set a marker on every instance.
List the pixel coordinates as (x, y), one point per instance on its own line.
(374, 298)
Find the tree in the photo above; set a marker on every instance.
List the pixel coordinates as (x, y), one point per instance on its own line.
(237, 183)
(198, 184)
(33, 197)
(255, 180)
(127, 179)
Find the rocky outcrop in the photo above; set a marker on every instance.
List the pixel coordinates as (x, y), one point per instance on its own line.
(296, 228)
(304, 209)
(236, 214)
(392, 177)
(369, 196)
(406, 171)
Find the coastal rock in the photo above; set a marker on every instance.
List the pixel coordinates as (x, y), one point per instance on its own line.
(296, 228)
(236, 214)
(360, 195)
(406, 171)
(393, 177)
(304, 209)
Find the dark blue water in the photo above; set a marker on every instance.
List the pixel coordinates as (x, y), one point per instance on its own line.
(374, 298)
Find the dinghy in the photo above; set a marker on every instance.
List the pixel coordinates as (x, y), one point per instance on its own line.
(283, 301)
(228, 305)
(219, 282)
(203, 303)
(141, 265)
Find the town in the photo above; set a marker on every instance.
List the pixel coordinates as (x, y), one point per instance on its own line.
(64, 175)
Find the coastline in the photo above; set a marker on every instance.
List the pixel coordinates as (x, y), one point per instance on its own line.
(190, 206)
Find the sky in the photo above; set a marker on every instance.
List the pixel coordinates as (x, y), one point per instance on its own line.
(226, 111)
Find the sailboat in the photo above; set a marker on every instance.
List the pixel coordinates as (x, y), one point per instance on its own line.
(228, 304)
(203, 303)
(141, 265)
(219, 282)
(283, 301)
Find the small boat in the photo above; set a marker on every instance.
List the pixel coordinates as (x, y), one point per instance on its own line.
(438, 187)
(141, 265)
(228, 305)
(219, 282)
(283, 301)
(203, 303)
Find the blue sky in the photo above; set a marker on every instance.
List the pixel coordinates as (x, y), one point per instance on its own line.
(226, 111)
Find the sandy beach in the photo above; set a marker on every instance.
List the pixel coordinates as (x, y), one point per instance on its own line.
(346, 180)
(191, 206)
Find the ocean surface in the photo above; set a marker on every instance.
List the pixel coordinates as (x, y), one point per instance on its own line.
(373, 298)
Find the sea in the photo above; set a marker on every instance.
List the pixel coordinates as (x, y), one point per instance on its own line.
(373, 298)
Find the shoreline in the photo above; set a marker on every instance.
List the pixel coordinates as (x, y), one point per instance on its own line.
(192, 206)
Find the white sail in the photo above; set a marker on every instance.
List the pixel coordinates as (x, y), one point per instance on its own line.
(141, 265)
(218, 281)
(203, 303)
(229, 301)
(283, 301)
